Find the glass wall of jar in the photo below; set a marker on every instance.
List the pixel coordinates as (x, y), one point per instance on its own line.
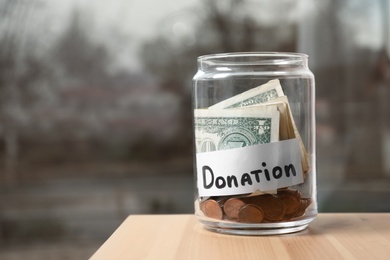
(254, 142)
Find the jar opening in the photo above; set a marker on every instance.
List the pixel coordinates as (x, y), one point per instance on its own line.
(254, 58)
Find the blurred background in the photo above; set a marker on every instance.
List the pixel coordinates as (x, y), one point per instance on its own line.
(95, 108)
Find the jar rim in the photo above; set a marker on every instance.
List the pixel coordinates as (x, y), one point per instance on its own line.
(268, 55)
(241, 59)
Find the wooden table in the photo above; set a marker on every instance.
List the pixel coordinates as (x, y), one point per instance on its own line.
(330, 236)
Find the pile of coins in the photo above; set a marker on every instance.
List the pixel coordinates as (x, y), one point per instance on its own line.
(266, 208)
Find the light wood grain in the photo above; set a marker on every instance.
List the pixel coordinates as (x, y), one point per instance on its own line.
(330, 236)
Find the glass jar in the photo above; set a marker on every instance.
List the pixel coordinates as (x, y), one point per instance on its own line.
(254, 142)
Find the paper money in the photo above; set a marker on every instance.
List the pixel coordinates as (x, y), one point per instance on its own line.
(287, 127)
(228, 129)
(286, 130)
(268, 95)
(257, 95)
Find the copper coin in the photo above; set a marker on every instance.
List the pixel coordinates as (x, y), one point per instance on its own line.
(273, 208)
(294, 193)
(308, 202)
(301, 210)
(212, 209)
(250, 213)
(290, 201)
(303, 205)
(297, 194)
(232, 206)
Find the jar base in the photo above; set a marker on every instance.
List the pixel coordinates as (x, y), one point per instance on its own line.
(263, 229)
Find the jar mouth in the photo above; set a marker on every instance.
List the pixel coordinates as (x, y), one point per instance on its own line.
(254, 58)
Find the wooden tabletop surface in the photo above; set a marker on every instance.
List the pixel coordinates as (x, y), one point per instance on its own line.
(330, 236)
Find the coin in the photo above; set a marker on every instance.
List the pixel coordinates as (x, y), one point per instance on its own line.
(303, 205)
(295, 193)
(308, 201)
(232, 206)
(273, 208)
(301, 209)
(250, 213)
(290, 201)
(212, 209)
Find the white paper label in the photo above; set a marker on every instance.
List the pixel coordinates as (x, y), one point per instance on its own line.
(261, 167)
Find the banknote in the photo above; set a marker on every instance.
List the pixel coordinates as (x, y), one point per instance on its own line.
(257, 95)
(287, 127)
(223, 129)
(269, 94)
